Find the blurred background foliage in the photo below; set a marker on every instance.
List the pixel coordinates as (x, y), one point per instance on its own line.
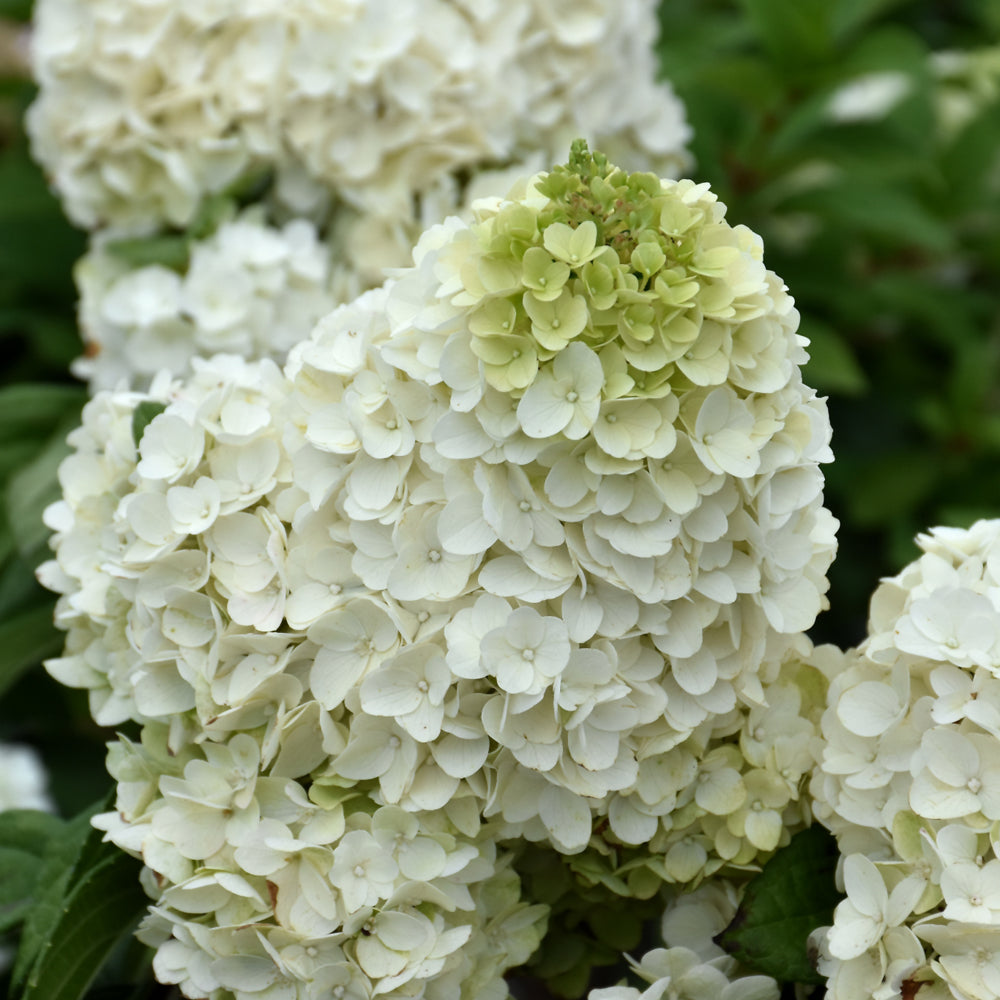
(860, 138)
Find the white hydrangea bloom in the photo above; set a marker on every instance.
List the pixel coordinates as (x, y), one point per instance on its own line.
(23, 779)
(145, 109)
(909, 779)
(249, 289)
(375, 615)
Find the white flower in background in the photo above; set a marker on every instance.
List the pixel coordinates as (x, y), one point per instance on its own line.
(968, 83)
(868, 97)
(909, 779)
(23, 779)
(143, 111)
(249, 289)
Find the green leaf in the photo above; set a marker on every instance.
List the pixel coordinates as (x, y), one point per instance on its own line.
(832, 366)
(794, 33)
(105, 904)
(26, 639)
(33, 409)
(60, 857)
(16, 10)
(30, 490)
(848, 15)
(879, 210)
(24, 837)
(212, 212)
(887, 486)
(167, 251)
(783, 905)
(93, 899)
(143, 415)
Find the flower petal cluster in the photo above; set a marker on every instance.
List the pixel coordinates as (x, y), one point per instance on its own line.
(909, 779)
(261, 888)
(398, 604)
(267, 862)
(691, 966)
(249, 289)
(145, 109)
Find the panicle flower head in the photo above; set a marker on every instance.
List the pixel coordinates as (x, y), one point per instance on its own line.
(144, 109)
(909, 779)
(398, 604)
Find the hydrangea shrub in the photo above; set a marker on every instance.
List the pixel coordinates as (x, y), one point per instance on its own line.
(519, 546)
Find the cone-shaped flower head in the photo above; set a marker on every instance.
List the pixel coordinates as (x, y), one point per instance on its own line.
(909, 779)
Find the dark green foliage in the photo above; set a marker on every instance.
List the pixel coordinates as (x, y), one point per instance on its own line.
(86, 897)
(594, 918)
(790, 898)
(142, 416)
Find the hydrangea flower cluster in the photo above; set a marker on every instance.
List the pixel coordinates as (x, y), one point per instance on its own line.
(692, 966)
(519, 546)
(910, 780)
(249, 289)
(145, 109)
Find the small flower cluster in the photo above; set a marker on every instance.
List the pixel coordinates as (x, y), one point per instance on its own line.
(446, 583)
(144, 109)
(250, 289)
(692, 966)
(910, 780)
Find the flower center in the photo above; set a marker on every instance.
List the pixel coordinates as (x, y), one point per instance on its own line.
(434, 556)
(572, 396)
(527, 654)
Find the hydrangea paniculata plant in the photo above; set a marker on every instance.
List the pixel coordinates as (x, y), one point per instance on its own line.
(518, 546)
